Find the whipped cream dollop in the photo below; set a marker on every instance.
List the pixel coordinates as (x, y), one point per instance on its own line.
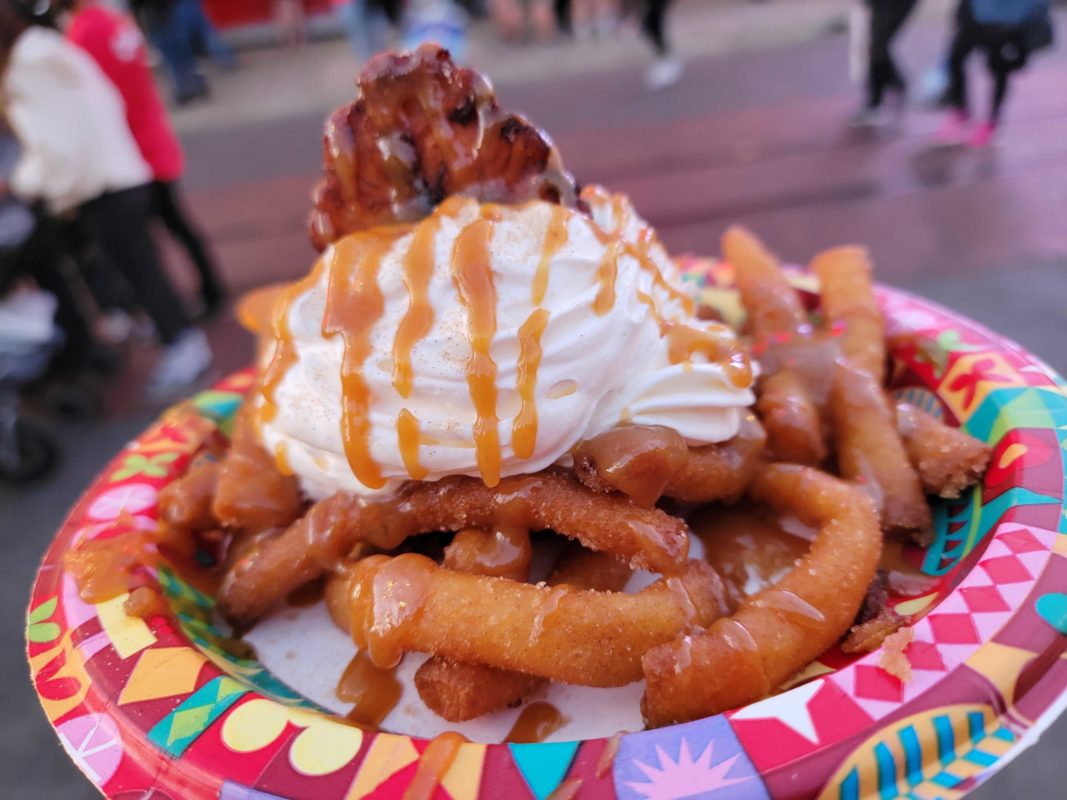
(488, 340)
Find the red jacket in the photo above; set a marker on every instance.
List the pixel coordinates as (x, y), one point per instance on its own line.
(115, 43)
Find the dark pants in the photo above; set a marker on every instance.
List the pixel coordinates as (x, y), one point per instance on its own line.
(169, 211)
(119, 222)
(652, 25)
(42, 258)
(1005, 52)
(887, 18)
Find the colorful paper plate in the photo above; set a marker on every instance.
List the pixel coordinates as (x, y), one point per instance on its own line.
(169, 710)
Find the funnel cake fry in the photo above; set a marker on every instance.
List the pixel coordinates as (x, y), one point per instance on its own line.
(777, 631)
(647, 463)
(947, 459)
(461, 691)
(252, 495)
(848, 301)
(646, 538)
(586, 637)
(790, 415)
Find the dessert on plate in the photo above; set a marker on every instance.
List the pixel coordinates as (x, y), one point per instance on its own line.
(492, 426)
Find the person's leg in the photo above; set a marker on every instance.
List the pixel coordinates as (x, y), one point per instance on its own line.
(207, 37)
(171, 36)
(666, 70)
(41, 258)
(119, 222)
(169, 210)
(652, 26)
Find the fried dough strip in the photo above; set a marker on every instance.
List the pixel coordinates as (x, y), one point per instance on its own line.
(646, 538)
(461, 691)
(848, 301)
(791, 417)
(585, 637)
(186, 503)
(649, 462)
(776, 632)
(252, 495)
(947, 459)
(771, 303)
(869, 450)
(794, 430)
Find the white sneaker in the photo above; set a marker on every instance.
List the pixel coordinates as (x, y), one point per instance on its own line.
(869, 118)
(664, 72)
(180, 364)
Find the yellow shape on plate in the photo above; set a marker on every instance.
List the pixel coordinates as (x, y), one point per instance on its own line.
(162, 672)
(128, 635)
(388, 754)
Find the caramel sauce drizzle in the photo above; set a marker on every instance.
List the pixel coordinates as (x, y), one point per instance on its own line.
(524, 426)
(418, 319)
(606, 274)
(549, 607)
(790, 605)
(536, 723)
(284, 351)
(387, 594)
(354, 302)
(373, 690)
(281, 459)
(555, 238)
(407, 435)
(434, 763)
(685, 600)
(473, 277)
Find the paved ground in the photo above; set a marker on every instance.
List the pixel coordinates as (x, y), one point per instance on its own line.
(749, 135)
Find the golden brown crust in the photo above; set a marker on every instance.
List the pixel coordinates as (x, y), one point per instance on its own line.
(664, 465)
(461, 691)
(583, 637)
(779, 630)
(186, 503)
(947, 459)
(252, 495)
(870, 452)
(647, 538)
(847, 295)
(794, 427)
(422, 130)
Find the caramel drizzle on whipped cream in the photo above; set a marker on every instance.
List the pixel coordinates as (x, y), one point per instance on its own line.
(355, 303)
(472, 274)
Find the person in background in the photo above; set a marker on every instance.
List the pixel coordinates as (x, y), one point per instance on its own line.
(887, 17)
(116, 45)
(667, 69)
(78, 155)
(367, 24)
(182, 33)
(1009, 31)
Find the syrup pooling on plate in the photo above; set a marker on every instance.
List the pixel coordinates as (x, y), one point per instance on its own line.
(372, 690)
(535, 723)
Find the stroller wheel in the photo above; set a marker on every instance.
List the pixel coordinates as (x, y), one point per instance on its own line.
(28, 453)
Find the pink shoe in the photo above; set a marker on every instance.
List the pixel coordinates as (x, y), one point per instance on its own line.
(983, 135)
(953, 130)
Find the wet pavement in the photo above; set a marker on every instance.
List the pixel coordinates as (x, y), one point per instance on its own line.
(753, 137)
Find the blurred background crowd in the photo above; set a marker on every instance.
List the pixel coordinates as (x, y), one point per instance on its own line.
(156, 158)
